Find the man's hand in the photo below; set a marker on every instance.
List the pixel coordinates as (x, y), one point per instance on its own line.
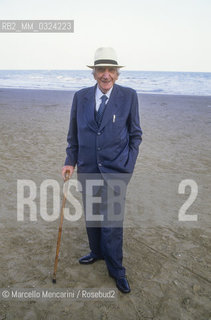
(67, 168)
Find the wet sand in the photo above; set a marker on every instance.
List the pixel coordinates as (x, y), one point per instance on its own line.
(167, 260)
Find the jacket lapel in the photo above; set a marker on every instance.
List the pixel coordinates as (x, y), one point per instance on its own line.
(89, 108)
(114, 104)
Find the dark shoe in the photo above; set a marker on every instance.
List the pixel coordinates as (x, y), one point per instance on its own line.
(123, 285)
(88, 259)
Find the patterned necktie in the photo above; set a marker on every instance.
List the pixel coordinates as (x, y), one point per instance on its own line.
(99, 115)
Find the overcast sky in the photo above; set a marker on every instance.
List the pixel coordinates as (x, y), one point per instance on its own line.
(165, 35)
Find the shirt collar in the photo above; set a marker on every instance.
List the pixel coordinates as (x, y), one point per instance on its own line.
(99, 93)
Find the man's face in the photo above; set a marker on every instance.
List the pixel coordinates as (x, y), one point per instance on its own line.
(106, 77)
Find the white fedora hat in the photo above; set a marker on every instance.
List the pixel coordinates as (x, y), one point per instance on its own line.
(105, 57)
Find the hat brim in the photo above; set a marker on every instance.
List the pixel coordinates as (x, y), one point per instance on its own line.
(105, 65)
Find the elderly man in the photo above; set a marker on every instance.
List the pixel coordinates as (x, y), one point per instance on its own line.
(103, 138)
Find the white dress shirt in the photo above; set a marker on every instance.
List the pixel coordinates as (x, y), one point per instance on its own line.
(99, 94)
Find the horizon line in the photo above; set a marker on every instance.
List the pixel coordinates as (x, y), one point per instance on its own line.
(132, 70)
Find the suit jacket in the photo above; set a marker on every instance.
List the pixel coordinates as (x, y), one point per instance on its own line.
(111, 148)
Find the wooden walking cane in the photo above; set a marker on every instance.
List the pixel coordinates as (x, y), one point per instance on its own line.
(67, 177)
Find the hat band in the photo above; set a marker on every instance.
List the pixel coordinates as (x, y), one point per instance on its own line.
(114, 62)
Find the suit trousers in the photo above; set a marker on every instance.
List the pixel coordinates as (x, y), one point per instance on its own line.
(104, 213)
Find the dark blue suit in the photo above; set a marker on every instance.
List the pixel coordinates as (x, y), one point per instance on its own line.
(111, 148)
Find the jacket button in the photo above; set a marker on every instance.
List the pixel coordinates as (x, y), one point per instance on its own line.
(99, 133)
(100, 164)
(98, 148)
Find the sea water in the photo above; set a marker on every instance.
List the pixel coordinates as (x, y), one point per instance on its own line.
(179, 83)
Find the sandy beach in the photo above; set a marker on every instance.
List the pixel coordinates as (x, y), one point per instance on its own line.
(167, 260)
